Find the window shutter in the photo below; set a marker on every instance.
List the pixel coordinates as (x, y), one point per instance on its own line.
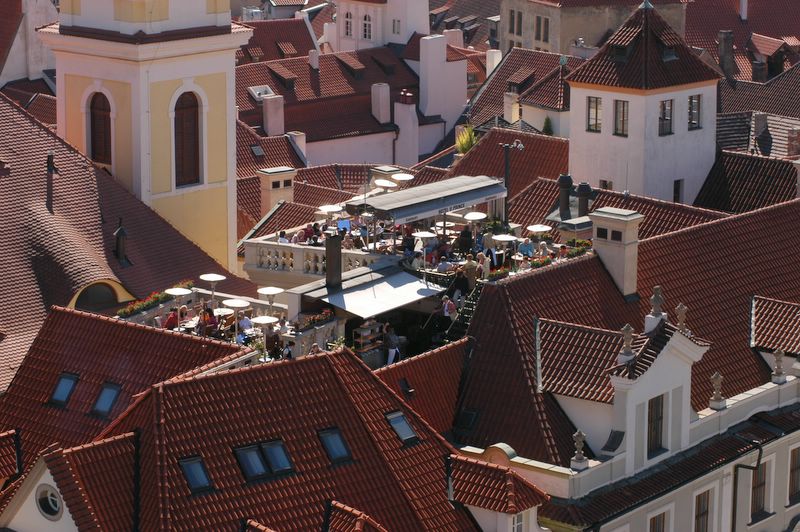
(187, 140)
(100, 124)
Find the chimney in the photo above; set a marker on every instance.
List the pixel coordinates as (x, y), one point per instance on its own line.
(743, 9)
(51, 169)
(455, 37)
(584, 192)
(313, 59)
(381, 103)
(493, 58)
(760, 124)
(760, 72)
(793, 142)
(725, 51)
(298, 138)
(564, 189)
(333, 261)
(510, 107)
(407, 122)
(276, 184)
(616, 242)
(435, 91)
(120, 244)
(272, 110)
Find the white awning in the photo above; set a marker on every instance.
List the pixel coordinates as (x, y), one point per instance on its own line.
(383, 294)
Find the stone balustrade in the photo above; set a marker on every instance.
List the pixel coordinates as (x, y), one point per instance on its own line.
(267, 254)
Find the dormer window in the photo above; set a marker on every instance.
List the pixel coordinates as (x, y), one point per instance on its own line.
(668, 54)
(106, 399)
(618, 53)
(194, 470)
(64, 388)
(401, 427)
(655, 426)
(335, 446)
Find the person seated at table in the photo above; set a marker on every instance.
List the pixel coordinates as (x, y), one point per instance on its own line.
(299, 237)
(347, 242)
(314, 241)
(543, 251)
(183, 313)
(315, 349)
(418, 263)
(444, 266)
(172, 319)
(282, 238)
(244, 321)
(562, 252)
(526, 248)
(283, 326)
(286, 352)
(315, 230)
(207, 323)
(445, 248)
(525, 264)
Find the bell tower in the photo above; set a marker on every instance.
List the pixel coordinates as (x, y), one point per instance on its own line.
(146, 89)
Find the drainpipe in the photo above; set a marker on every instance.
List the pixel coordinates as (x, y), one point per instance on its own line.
(736, 477)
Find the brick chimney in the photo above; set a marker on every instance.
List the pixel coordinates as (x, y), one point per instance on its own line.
(616, 242)
(793, 142)
(381, 103)
(760, 72)
(725, 51)
(272, 111)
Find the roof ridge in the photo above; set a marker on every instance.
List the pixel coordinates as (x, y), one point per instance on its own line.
(425, 355)
(95, 443)
(588, 328)
(512, 493)
(763, 298)
(658, 201)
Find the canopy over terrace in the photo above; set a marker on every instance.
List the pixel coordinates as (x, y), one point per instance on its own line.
(428, 201)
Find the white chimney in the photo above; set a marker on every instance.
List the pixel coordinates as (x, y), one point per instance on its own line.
(381, 103)
(493, 58)
(313, 59)
(433, 85)
(455, 37)
(743, 9)
(616, 242)
(272, 111)
(298, 138)
(510, 107)
(330, 35)
(407, 122)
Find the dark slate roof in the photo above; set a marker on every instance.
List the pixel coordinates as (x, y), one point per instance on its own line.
(777, 96)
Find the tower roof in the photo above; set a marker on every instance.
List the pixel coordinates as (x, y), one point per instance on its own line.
(644, 53)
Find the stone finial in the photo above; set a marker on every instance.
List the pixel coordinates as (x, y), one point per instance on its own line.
(656, 300)
(778, 375)
(627, 354)
(680, 312)
(717, 402)
(580, 440)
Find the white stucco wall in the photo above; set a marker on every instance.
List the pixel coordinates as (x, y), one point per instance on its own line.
(429, 137)
(442, 84)
(644, 162)
(591, 417)
(535, 116)
(375, 148)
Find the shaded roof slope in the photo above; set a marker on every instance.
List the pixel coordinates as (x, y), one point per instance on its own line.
(644, 53)
(9, 24)
(471, 14)
(278, 39)
(98, 350)
(776, 325)
(776, 96)
(550, 92)
(429, 382)
(277, 151)
(740, 182)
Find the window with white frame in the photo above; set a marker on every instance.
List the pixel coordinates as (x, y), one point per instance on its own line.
(694, 111)
(621, 118)
(546, 29)
(511, 19)
(665, 118)
(655, 426)
(519, 23)
(661, 519)
(794, 476)
(594, 108)
(658, 523)
(702, 511)
(367, 30)
(537, 33)
(348, 24)
(761, 483)
(518, 522)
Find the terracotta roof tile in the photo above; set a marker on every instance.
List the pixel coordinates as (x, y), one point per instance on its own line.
(293, 400)
(284, 216)
(429, 382)
(550, 92)
(776, 325)
(278, 151)
(463, 11)
(733, 130)
(73, 247)
(43, 108)
(248, 202)
(488, 101)
(493, 487)
(644, 53)
(308, 194)
(279, 38)
(346, 519)
(778, 19)
(777, 96)
(99, 350)
(319, 18)
(8, 453)
(332, 118)
(740, 182)
(766, 45)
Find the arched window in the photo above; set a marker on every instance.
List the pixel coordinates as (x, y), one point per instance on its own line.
(367, 27)
(100, 128)
(348, 24)
(187, 140)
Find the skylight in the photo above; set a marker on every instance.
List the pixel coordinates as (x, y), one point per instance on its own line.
(276, 456)
(260, 460)
(195, 472)
(257, 150)
(106, 399)
(334, 445)
(64, 387)
(399, 423)
(251, 462)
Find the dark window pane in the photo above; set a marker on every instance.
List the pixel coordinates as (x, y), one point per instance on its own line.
(277, 457)
(602, 232)
(759, 487)
(401, 427)
(334, 445)
(100, 124)
(187, 140)
(195, 473)
(794, 476)
(701, 512)
(655, 425)
(658, 523)
(251, 462)
(106, 399)
(64, 387)
(616, 235)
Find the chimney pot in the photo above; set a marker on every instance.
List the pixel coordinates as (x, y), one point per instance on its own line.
(564, 189)
(273, 117)
(584, 192)
(725, 51)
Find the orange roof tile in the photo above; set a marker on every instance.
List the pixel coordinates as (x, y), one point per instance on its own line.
(777, 96)
(493, 487)
(277, 151)
(279, 38)
(776, 325)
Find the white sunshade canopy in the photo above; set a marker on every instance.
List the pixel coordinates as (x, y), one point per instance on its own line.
(383, 294)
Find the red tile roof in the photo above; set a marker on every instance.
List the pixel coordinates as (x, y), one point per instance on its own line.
(766, 45)
(278, 151)
(740, 182)
(644, 40)
(777, 96)
(550, 92)
(279, 38)
(543, 156)
(540, 198)
(473, 13)
(43, 109)
(698, 266)
(776, 325)
(8, 453)
(602, 3)
(98, 350)
(429, 382)
(284, 216)
(248, 203)
(778, 19)
(400, 485)
(49, 257)
(493, 487)
(332, 118)
(308, 194)
(319, 18)
(346, 519)
(9, 24)
(488, 101)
